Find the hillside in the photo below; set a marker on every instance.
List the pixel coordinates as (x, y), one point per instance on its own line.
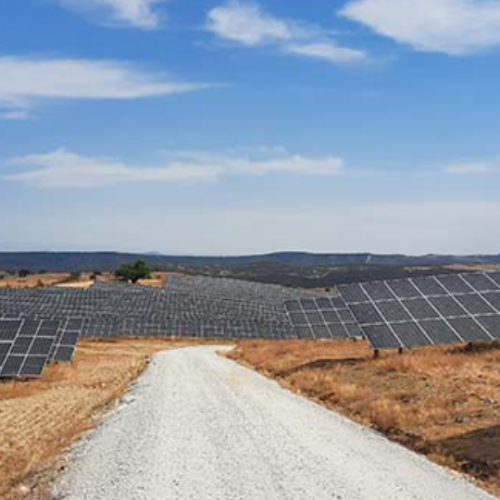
(103, 261)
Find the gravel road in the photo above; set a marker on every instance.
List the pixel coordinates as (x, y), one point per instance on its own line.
(197, 426)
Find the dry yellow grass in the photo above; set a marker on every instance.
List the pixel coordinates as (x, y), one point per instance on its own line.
(34, 280)
(41, 418)
(444, 402)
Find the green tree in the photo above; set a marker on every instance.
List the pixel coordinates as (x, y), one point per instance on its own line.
(134, 272)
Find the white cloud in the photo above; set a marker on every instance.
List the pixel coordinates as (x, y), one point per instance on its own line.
(248, 24)
(455, 27)
(24, 81)
(473, 168)
(327, 51)
(64, 169)
(137, 13)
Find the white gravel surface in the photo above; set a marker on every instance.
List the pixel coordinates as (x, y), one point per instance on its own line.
(197, 426)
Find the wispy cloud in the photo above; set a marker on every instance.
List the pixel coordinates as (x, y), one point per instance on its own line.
(247, 23)
(136, 13)
(24, 81)
(455, 27)
(327, 51)
(473, 168)
(65, 169)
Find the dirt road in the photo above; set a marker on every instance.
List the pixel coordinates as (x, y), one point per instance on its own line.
(199, 427)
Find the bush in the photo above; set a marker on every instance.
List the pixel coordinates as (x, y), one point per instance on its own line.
(134, 272)
(23, 273)
(75, 276)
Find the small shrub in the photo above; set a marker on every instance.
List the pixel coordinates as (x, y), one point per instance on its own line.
(75, 276)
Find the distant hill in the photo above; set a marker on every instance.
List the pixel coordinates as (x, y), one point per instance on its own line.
(104, 261)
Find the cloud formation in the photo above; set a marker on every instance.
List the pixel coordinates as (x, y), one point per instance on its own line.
(246, 23)
(136, 13)
(24, 81)
(455, 27)
(65, 169)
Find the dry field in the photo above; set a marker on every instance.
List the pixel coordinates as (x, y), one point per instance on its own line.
(157, 280)
(443, 402)
(41, 418)
(34, 280)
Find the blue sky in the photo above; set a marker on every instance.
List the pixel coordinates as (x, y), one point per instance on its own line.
(216, 127)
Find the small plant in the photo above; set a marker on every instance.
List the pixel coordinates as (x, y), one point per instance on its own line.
(75, 276)
(134, 272)
(24, 273)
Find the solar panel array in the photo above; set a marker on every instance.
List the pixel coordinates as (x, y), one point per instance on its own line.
(322, 318)
(230, 288)
(427, 310)
(194, 307)
(40, 325)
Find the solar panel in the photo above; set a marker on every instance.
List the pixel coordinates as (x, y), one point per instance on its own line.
(322, 318)
(427, 310)
(25, 345)
(64, 345)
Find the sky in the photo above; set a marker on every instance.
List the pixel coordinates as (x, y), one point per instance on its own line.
(236, 127)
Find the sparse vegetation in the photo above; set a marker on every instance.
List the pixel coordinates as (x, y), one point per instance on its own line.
(444, 402)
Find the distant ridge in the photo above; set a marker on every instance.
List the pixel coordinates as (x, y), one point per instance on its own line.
(103, 261)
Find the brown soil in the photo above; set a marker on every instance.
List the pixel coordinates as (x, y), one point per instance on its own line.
(39, 419)
(443, 402)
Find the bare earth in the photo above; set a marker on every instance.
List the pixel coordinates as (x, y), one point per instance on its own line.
(199, 426)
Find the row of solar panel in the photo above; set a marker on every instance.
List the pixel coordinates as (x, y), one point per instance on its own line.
(426, 311)
(322, 318)
(27, 345)
(428, 286)
(428, 308)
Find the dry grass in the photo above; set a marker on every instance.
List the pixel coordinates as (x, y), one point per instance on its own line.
(444, 402)
(158, 279)
(41, 418)
(34, 280)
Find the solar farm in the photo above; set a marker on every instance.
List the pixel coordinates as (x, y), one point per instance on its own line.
(40, 326)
